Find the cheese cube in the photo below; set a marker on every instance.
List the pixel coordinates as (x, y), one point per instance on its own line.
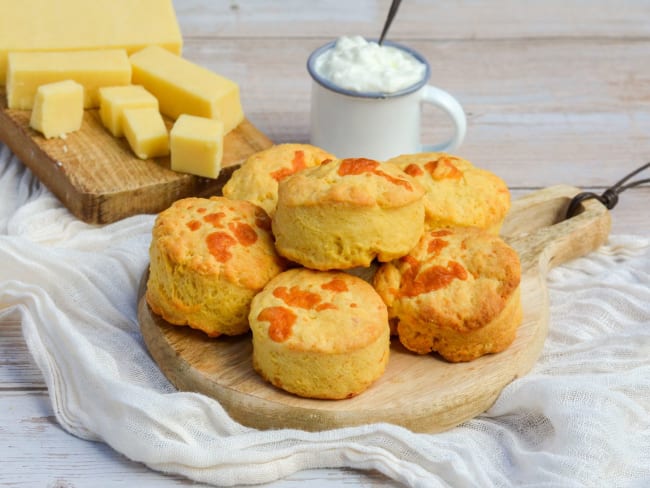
(184, 87)
(26, 71)
(114, 99)
(66, 25)
(146, 132)
(58, 108)
(196, 145)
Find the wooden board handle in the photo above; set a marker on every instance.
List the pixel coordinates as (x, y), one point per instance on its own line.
(544, 237)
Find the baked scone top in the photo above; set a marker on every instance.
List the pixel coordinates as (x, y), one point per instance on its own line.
(218, 236)
(318, 311)
(258, 177)
(356, 181)
(457, 192)
(459, 278)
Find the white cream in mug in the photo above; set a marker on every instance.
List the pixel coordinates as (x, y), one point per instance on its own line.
(366, 67)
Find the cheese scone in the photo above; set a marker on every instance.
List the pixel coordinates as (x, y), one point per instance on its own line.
(209, 257)
(256, 180)
(457, 192)
(456, 293)
(319, 334)
(345, 213)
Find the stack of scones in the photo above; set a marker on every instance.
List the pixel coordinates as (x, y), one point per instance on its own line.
(280, 252)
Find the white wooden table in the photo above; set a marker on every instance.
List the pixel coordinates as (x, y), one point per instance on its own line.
(555, 92)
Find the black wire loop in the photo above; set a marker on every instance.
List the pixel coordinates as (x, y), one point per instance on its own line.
(609, 197)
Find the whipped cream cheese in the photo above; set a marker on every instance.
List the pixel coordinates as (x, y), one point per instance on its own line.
(364, 66)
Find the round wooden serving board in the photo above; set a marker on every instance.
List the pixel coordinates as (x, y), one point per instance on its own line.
(422, 393)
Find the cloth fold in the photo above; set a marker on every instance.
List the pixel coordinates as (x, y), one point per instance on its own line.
(580, 418)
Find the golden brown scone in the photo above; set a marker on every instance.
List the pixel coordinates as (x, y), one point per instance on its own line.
(257, 179)
(457, 192)
(344, 213)
(456, 293)
(209, 257)
(319, 334)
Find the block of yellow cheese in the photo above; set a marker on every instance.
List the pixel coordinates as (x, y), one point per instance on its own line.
(182, 86)
(196, 145)
(146, 132)
(58, 108)
(26, 71)
(62, 25)
(114, 99)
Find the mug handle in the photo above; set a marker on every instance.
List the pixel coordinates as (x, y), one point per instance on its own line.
(442, 99)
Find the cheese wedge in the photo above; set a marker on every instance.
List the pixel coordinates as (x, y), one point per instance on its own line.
(182, 86)
(146, 132)
(196, 146)
(62, 25)
(92, 69)
(58, 108)
(114, 99)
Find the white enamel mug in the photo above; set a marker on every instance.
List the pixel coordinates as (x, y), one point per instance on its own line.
(377, 125)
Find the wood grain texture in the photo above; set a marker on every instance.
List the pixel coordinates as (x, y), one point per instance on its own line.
(98, 177)
(630, 216)
(36, 453)
(419, 19)
(421, 393)
(17, 368)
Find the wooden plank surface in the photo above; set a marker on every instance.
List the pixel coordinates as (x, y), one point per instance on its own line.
(36, 452)
(533, 121)
(460, 19)
(555, 92)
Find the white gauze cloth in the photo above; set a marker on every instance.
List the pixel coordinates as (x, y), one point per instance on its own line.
(580, 418)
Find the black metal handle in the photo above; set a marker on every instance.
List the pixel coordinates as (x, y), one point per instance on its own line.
(389, 19)
(609, 197)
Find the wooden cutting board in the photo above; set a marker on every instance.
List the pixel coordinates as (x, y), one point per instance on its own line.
(422, 393)
(98, 178)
